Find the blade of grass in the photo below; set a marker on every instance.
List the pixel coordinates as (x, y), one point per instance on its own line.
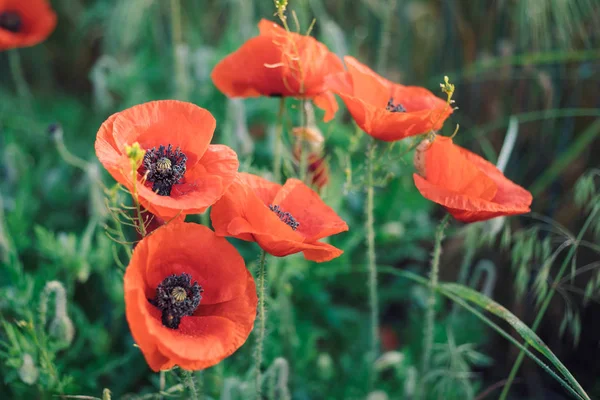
(462, 295)
(530, 337)
(566, 157)
(531, 117)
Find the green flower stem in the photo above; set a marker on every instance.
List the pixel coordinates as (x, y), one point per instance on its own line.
(547, 300)
(16, 70)
(277, 142)
(433, 284)
(181, 88)
(261, 323)
(372, 281)
(188, 382)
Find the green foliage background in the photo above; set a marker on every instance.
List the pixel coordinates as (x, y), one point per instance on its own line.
(536, 63)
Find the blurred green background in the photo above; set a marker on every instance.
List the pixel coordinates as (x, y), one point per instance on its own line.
(533, 62)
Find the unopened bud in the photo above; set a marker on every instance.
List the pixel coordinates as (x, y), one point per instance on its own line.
(62, 331)
(419, 157)
(311, 135)
(325, 365)
(377, 395)
(28, 372)
(61, 327)
(388, 360)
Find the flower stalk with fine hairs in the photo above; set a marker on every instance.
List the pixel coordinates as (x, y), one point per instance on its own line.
(261, 323)
(433, 283)
(372, 282)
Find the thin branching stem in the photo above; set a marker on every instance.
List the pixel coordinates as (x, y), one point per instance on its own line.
(433, 284)
(372, 282)
(548, 299)
(261, 323)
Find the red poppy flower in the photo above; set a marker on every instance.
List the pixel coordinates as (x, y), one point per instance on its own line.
(469, 187)
(25, 23)
(386, 110)
(181, 173)
(189, 299)
(279, 63)
(282, 219)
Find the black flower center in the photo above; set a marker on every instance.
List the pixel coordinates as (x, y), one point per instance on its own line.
(285, 216)
(176, 297)
(391, 107)
(11, 21)
(164, 168)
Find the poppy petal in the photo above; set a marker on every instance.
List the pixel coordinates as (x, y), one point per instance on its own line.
(199, 250)
(225, 316)
(279, 63)
(209, 169)
(326, 102)
(469, 187)
(38, 20)
(366, 95)
(508, 193)
(367, 85)
(447, 166)
(222, 328)
(183, 124)
(317, 219)
(466, 208)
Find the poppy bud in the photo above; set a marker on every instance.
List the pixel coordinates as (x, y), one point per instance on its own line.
(419, 158)
(28, 372)
(61, 328)
(310, 135)
(325, 365)
(316, 167)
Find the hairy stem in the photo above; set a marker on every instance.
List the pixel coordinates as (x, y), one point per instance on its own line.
(261, 323)
(372, 282)
(190, 384)
(277, 142)
(433, 284)
(548, 299)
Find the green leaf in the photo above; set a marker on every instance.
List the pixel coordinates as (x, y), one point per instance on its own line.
(464, 295)
(523, 330)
